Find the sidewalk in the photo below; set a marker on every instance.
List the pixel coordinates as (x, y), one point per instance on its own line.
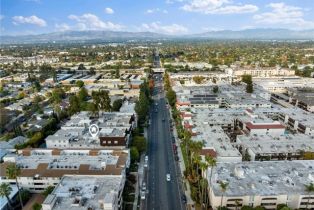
(190, 202)
(140, 177)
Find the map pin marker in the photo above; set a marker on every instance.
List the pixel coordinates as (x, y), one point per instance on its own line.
(93, 130)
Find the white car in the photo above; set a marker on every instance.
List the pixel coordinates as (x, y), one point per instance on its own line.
(143, 195)
(168, 177)
(144, 186)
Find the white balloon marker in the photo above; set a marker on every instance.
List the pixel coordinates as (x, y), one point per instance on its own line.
(93, 130)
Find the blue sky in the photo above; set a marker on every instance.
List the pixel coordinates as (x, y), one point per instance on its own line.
(163, 16)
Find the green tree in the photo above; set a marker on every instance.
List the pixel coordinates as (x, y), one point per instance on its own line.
(74, 105)
(102, 100)
(247, 208)
(82, 94)
(93, 108)
(249, 88)
(36, 138)
(48, 190)
(171, 96)
(5, 191)
(142, 106)
(198, 79)
(247, 78)
(215, 89)
(57, 95)
(223, 189)
(310, 189)
(37, 86)
(117, 105)
(134, 154)
(81, 67)
(13, 172)
(37, 206)
(79, 83)
(212, 162)
(140, 143)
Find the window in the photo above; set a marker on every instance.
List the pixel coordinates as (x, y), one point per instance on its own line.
(116, 142)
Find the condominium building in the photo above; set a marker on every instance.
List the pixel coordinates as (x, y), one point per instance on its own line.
(41, 168)
(265, 184)
(261, 147)
(78, 192)
(114, 131)
(261, 72)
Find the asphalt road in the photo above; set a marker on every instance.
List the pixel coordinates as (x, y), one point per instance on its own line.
(161, 194)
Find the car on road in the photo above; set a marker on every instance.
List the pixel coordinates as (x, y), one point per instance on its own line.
(156, 110)
(168, 177)
(143, 195)
(144, 186)
(183, 197)
(176, 158)
(163, 119)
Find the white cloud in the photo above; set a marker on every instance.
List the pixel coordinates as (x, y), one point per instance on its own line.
(62, 27)
(165, 29)
(108, 10)
(151, 11)
(282, 14)
(1, 17)
(29, 20)
(218, 7)
(92, 22)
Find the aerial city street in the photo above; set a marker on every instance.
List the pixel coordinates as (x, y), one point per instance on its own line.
(156, 105)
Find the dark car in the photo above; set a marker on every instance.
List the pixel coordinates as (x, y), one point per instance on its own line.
(176, 158)
(183, 197)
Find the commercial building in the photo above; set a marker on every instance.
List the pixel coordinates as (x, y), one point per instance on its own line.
(265, 184)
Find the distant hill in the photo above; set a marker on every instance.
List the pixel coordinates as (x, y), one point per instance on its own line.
(257, 34)
(75, 36)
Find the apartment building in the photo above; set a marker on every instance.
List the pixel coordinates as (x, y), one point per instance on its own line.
(302, 98)
(261, 72)
(96, 192)
(281, 85)
(41, 168)
(114, 131)
(263, 147)
(265, 184)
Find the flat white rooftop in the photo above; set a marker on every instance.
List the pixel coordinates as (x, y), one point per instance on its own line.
(83, 192)
(277, 144)
(263, 178)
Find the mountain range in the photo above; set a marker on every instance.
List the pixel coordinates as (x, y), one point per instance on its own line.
(110, 36)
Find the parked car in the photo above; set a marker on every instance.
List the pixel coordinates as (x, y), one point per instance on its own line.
(168, 178)
(183, 197)
(143, 195)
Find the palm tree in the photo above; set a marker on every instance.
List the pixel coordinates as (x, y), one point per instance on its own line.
(237, 203)
(309, 188)
(197, 162)
(186, 140)
(5, 191)
(212, 162)
(223, 188)
(13, 172)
